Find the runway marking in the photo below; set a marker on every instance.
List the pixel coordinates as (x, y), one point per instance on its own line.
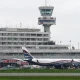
(39, 74)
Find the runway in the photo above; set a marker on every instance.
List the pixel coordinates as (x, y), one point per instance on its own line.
(39, 74)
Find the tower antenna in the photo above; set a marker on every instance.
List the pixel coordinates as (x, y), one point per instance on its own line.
(45, 3)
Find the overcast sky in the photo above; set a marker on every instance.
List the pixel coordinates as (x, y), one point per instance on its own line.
(67, 13)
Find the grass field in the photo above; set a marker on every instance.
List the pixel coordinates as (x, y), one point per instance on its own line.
(41, 78)
(40, 71)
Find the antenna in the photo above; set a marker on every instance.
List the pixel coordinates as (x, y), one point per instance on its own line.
(45, 3)
(20, 24)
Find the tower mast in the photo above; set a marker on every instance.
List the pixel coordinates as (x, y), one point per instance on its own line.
(46, 18)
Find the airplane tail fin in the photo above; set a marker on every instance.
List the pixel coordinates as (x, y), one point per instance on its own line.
(26, 53)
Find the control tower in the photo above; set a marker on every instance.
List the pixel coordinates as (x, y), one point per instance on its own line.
(46, 20)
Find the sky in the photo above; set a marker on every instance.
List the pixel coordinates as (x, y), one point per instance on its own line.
(67, 13)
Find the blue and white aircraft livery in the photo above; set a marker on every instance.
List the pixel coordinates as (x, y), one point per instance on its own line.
(57, 63)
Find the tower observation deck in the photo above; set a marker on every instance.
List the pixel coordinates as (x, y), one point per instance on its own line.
(46, 20)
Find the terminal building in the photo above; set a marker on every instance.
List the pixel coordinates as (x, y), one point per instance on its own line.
(36, 41)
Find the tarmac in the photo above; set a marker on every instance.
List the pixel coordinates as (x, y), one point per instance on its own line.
(39, 74)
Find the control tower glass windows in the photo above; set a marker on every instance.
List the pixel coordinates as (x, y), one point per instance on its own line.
(46, 21)
(46, 12)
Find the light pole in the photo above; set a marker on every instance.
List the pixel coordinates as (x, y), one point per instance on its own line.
(70, 47)
(70, 44)
(60, 42)
(78, 45)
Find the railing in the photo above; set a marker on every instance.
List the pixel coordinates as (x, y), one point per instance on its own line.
(39, 51)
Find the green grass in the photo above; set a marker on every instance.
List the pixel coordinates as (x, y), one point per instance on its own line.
(41, 78)
(41, 71)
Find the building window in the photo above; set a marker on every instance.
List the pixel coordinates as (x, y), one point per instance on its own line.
(39, 34)
(3, 43)
(33, 34)
(15, 43)
(9, 43)
(15, 34)
(33, 39)
(21, 43)
(21, 39)
(21, 34)
(45, 35)
(9, 34)
(27, 34)
(3, 38)
(28, 38)
(15, 38)
(9, 38)
(40, 39)
(4, 34)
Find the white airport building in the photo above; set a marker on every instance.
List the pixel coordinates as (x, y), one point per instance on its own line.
(36, 41)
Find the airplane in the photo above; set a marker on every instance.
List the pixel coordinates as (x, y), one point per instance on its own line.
(57, 63)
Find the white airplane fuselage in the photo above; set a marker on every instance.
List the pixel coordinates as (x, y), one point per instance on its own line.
(51, 60)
